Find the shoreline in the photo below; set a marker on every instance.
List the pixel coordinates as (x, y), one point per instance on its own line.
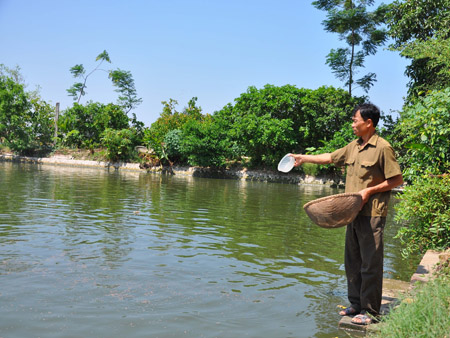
(229, 173)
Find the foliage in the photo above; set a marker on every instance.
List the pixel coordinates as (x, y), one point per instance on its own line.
(311, 169)
(425, 315)
(170, 119)
(26, 122)
(266, 137)
(119, 144)
(78, 89)
(358, 28)
(267, 123)
(12, 73)
(420, 31)
(386, 127)
(205, 143)
(14, 108)
(424, 132)
(42, 124)
(327, 111)
(262, 122)
(173, 145)
(425, 209)
(122, 80)
(435, 54)
(83, 125)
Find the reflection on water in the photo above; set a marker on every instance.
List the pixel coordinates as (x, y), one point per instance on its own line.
(87, 252)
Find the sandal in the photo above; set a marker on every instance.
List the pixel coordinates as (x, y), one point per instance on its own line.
(348, 311)
(362, 319)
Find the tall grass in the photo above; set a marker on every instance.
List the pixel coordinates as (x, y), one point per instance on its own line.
(428, 315)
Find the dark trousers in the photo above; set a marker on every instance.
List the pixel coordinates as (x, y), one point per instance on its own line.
(364, 263)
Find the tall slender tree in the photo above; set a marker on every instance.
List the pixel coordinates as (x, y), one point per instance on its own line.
(78, 71)
(121, 79)
(362, 32)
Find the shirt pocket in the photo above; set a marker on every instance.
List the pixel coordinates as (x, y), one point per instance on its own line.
(367, 169)
(350, 165)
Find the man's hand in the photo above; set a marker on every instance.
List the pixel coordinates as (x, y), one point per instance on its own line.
(387, 185)
(298, 159)
(365, 194)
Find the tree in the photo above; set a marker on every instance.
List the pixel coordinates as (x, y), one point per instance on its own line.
(78, 71)
(26, 122)
(271, 121)
(121, 79)
(424, 209)
(205, 143)
(83, 125)
(358, 28)
(119, 143)
(424, 132)
(420, 30)
(14, 107)
(170, 119)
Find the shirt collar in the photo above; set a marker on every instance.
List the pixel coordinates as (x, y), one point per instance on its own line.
(372, 141)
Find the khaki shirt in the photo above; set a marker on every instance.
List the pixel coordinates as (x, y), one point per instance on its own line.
(366, 167)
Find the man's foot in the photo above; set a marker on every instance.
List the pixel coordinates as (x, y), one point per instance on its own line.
(348, 311)
(362, 319)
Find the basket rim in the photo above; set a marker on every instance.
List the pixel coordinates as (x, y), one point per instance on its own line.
(332, 196)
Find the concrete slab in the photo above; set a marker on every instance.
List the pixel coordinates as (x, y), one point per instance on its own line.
(426, 267)
(392, 291)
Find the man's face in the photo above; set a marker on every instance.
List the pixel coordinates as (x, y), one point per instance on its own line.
(359, 126)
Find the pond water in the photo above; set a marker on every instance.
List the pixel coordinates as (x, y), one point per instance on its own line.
(98, 253)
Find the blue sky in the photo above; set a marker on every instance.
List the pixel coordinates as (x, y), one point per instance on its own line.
(211, 49)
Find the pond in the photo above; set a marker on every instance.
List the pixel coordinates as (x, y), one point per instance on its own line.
(98, 253)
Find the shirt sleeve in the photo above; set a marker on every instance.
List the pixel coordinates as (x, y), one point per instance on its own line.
(390, 164)
(339, 156)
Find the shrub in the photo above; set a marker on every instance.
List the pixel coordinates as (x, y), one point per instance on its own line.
(424, 210)
(26, 121)
(83, 125)
(424, 131)
(119, 144)
(170, 119)
(173, 146)
(270, 122)
(205, 143)
(310, 169)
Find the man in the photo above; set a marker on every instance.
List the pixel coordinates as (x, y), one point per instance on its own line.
(373, 171)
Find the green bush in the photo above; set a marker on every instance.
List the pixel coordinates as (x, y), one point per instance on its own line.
(424, 210)
(26, 122)
(205, 143)
(424, 132)
(170, 119)
(310, 169)
(173, 146)
(119, 144)
(83, 125)
(270, 122)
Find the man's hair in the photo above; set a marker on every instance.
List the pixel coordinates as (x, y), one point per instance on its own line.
(368, 111)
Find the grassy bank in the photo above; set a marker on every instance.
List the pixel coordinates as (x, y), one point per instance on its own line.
(423, 313)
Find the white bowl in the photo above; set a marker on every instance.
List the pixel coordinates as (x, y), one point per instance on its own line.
(286, 164)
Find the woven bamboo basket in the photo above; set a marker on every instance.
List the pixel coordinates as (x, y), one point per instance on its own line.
(334, 211)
